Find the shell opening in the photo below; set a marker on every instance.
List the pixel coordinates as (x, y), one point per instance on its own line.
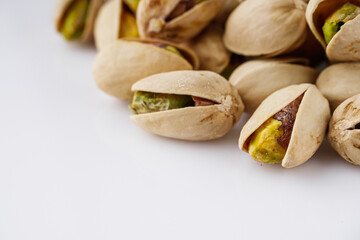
(182, 7)
(269, 143)
(128, 27)
(149, 102)
(73, 21)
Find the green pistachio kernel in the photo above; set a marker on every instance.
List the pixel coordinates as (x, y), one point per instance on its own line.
(74, 21)
(333, 23)
(263, 145)
(173, 50)
(132, 4)
(147, 102)
(128, 28)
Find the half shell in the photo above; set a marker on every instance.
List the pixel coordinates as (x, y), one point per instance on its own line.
(344, 132)
(152, 19)
(257, 79)
(61, 9)
(345, 45)
(191, 123)
(339, 82)
(309, 127)
(210, 49)
(258, 27)
(124, 62)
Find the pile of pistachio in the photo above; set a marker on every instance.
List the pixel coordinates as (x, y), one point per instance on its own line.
(190, 68)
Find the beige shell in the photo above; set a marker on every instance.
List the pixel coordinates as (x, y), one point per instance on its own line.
(228, 7)
(63, 5)
(152, 14)
(309, 127)
(122, 63)
(210, 49)
(345, 45)
(339, 82)
(343, 135)
(259, 27)
(191, 123)
(257, 79)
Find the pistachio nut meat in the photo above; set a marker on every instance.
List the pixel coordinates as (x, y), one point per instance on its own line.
(176, 20)
(336, 25)
(257, 79)
(210, 49)
(344, 130)
(74, 19)
(270, 28)
(288, 126)
(186, 105)
(339, 82)
(116, 20)
(123, 62)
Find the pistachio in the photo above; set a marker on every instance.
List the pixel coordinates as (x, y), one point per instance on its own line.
(210, 49)
(132, 4)
(335, 24)
(257, 79)
(74, 19)
(177, 20)
(228, 7)
(339, 82)
(187, 105)
(287, 127)
(270, 28)
(122, 63)
(344, 130)
(116, 20)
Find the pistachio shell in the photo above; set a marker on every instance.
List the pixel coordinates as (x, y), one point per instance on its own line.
(191, 123)
(343, 134)
(339, 82)
(152, 14)
(257, 79)
(210, 49)
(259, 27)
(63, 5)
(124, 62)
(345, 45)
(228, 7)
(309, 127)
(107, 25)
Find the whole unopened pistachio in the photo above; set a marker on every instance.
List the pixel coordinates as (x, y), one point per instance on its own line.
(257, 79)
(176, 20)
(187, 105)
(210, 49)
(336, 24)
(344, 130)
(339, 82)
(288, 127)
(124, 62)
(74, 19)
(116, 20)
(258, 27)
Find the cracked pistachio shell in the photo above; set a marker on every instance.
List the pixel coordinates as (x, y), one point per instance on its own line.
(94, 6)
(124, 62)
(339, 82)
(309, 127)
(210, 49)
(345, 45)
(152, 14)
(191, 123)
(257, 79)
(258, 27)
(108, 23)
(344, 134)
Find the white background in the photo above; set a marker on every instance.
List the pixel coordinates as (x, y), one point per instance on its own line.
(73, 166)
